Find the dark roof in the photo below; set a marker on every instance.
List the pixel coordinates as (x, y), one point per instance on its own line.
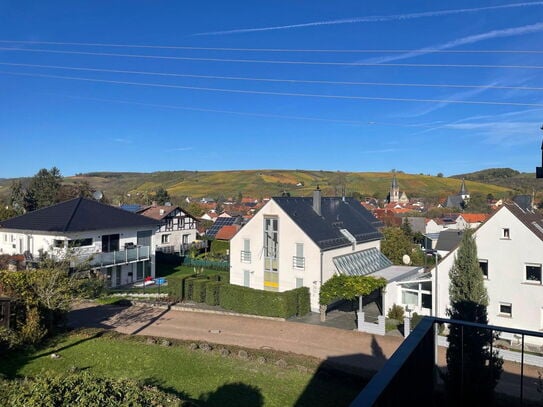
(77, 215)
(449, 239)
(463, 188)
(524, 202)
(337, 213)
(454, 201)
(530, 219)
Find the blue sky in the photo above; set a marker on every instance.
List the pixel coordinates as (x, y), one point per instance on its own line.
(296, 102)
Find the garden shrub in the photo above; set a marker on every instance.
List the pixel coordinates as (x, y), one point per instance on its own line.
(219, 247)
(213, 292)
(199, 290)
(81, 388)
(175, 287)
(396, 312)
(415, 319)
(303, 301)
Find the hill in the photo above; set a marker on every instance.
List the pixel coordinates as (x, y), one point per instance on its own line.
(266, 183)
(520, 182)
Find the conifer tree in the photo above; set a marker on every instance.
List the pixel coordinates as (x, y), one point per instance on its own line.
(473, 370)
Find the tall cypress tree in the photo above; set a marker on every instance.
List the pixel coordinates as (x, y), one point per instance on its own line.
(473, 370)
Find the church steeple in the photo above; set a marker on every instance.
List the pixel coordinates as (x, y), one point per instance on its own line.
(394, 195)
(464, 190)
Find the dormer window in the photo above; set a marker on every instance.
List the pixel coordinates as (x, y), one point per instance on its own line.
(506, 234)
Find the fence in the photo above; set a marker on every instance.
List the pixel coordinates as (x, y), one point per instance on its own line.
(412, 377)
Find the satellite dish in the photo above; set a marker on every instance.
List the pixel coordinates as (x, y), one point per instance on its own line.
(406, 259)
(97, 195)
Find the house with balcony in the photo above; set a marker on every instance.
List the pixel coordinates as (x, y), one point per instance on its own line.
(510, 251)
(116, 243)
(176, 230)
(302, 242)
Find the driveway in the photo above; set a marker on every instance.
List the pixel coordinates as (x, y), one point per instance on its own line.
(351, 350)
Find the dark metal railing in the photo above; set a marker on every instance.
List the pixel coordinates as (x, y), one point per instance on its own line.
(411, 374)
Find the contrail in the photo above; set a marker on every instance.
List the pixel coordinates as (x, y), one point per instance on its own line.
(374, 19)
(508, 32)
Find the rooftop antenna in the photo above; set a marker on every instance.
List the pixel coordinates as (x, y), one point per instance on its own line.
(97, 195)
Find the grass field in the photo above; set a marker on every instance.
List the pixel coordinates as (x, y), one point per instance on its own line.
(206, 378)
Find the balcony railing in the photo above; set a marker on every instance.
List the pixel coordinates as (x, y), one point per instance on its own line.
(245, 257)
(298, 262)
(115, 258)
(412, 377)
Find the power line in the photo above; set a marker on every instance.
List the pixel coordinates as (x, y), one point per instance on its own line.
(253, 79)
(262, 61)
(191, 48)
(255, 92)
(239, 113)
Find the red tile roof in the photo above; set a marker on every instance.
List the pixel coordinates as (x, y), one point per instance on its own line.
(475, 217)
(154, 212)
(227, 232)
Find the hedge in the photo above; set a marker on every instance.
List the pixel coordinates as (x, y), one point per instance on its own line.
(303, 302)
(266, 303)
(199, 290)
(213, 289)
(175, 287)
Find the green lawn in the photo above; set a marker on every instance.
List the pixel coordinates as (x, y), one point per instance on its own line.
(206, 378)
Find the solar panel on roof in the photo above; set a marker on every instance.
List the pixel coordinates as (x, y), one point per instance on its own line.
(131, 207)
(219, 223)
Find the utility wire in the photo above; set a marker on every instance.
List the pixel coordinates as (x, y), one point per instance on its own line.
(263, 61)
(253, 79)
(255, 92)
(361, 51)
(255, 114)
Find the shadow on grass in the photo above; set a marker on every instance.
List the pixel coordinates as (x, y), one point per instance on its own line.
(338, 380)
(227, 395)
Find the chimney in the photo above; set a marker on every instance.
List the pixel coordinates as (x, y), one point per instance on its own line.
(153, 203)
(317, 201)
(161, 212)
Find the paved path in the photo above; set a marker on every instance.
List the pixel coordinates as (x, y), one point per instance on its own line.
(349, 348)
(353, 350)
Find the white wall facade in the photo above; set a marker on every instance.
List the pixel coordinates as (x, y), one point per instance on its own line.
(506, 283)
(318, 266)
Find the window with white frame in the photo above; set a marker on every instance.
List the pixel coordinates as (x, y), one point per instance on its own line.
(483, 265)
(271, 244)
(506, 309)
(246, 252)
(165, 239)
(533, 273)
(506, 233)
(418, 294)
(298, 261)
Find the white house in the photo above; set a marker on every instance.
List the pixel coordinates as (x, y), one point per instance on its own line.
(113, 241)
(293, 242)
(510, 250)
(176, 230)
